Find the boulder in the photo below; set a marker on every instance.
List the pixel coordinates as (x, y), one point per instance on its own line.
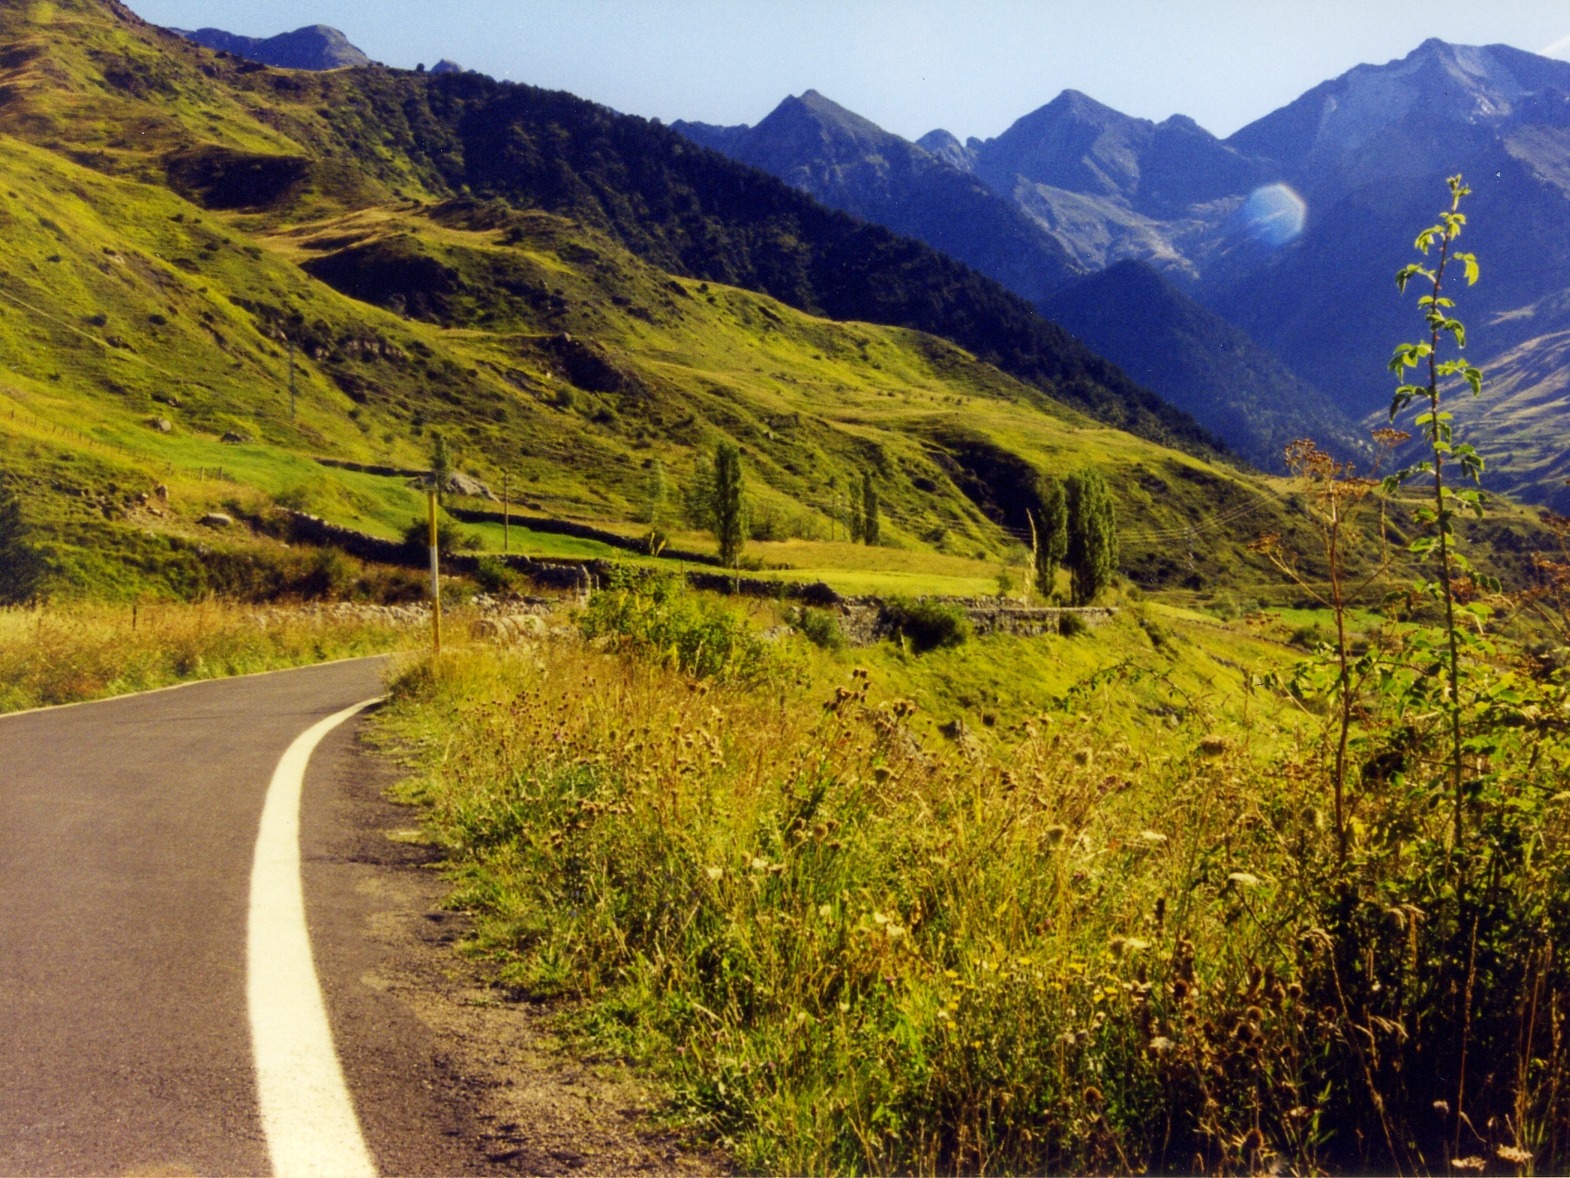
(162, 424)
(216, 519)
(459, 483)
(234, 438)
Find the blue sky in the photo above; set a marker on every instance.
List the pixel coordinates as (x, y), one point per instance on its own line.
(970, 66)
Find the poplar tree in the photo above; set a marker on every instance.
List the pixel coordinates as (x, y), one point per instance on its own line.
(728, 504)
(656, 492)
(1092, 554)
(1051, 535)
(441, 464)
(870, 523)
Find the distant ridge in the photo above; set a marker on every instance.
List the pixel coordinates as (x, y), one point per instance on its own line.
(851, 164)
(315, 47)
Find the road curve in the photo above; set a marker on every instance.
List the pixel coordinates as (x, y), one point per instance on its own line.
(127, 835)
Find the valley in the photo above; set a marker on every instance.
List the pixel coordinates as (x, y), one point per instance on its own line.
(909, 699)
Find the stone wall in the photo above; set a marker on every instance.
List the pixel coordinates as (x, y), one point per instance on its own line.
(863, 620)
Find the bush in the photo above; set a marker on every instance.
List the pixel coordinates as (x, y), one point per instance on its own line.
(652, 613)
(21, 567)
(926, 625)
(820, 627)
(1308, 637)
(495, 576)
(450, 537)
(1072, 625)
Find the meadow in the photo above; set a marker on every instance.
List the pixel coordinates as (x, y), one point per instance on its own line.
(1068, 904)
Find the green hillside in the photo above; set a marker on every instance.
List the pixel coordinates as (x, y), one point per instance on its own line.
(543, 349)
(181, 222)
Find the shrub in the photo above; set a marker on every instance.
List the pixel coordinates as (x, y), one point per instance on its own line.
(652, 613)
(820, 627)
(21, 566)
(495, 576)
(450, 537)
(330, 574)
(925, 624)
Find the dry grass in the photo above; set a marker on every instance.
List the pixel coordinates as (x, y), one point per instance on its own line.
(850, 948)
(63, 654)
(1101, 938)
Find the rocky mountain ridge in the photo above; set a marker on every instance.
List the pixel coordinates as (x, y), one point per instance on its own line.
(314, 47)
(1289, 229)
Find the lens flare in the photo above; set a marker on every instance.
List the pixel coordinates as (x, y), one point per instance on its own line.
(1274, 214)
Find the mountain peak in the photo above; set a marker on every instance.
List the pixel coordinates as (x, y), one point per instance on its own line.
(1343, 122)
(942, 145)
(314, 47)
(812, 113)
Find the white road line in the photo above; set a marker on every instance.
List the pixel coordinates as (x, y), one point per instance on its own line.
(307, 1113)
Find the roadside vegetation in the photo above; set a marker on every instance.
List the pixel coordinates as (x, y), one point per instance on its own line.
(67, 653)
(1204, 888)
(1168, 896)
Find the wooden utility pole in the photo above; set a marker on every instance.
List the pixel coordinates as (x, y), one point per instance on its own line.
(291, 378)
(436, 583)
(506, 516)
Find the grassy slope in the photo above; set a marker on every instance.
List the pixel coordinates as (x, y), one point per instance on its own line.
(121, 292)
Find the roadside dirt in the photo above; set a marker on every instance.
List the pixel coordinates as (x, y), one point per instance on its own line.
(512, 1098)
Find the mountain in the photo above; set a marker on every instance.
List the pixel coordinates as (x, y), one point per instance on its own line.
(1077, 144)
(1290, 230)
(251, 269)
(850, 163)
(1202, 364)
(315, 47)
(1370, 151)
(931, 191)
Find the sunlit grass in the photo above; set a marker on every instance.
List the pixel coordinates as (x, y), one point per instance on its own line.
(64, 654)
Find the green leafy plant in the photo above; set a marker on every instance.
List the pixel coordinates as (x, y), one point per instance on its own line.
(1436, 426)
(820, 627)
(870, 515)
(925, 624)
(450, 538)
(1049, 535)
(650, 612)
(728, 509)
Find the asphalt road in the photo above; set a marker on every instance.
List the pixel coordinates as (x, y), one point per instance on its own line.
(128, 830)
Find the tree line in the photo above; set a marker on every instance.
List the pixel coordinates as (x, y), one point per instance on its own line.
(1076, 530)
